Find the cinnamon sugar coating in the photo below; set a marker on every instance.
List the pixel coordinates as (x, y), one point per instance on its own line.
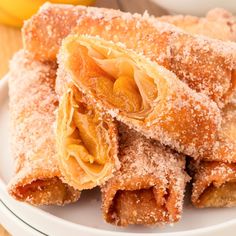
(225, 147)
(32, 107)
(149, 187)
(214, 180)
(214, 184)
(178, 117)
(205, 64)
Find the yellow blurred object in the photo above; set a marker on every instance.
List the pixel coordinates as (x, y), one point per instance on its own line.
(15, 12)
(5, 18)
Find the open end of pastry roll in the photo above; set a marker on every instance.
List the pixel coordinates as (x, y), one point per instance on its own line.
(86, 142)
(141, 93)
(48, 191)
(161, 42)
(115, 78)
(149, 187)
(223, 196)
(214, 185)
(151, 201)
(137, 200)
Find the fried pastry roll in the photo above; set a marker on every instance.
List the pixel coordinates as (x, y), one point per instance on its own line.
(140, 93)
(205, 64)
(218, 23)
(87, 143)
(149, 187)
(214, 184)
(37, 178)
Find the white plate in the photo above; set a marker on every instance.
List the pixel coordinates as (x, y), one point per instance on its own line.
(84, 217)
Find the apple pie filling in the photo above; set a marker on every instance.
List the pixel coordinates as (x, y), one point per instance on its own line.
(83, 139)
(116, 78)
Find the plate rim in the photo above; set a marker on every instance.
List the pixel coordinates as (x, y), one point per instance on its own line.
(9, 214)
(203, 230)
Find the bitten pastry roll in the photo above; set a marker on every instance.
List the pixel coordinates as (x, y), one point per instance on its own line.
(142, 94)
(214, 184)
(87, 143)
(37, 178)
(218, 23)
(206, 65)
(149, 187)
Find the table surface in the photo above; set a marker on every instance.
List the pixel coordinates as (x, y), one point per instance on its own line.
(10, 38)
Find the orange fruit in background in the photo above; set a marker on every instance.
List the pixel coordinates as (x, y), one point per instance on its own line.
(14, 12)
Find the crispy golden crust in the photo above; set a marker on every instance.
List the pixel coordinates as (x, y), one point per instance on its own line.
(214, 184)
(205, 64)
(218, 23)
(149, 187)
(32, 106)
(178, 117)
(225, 148)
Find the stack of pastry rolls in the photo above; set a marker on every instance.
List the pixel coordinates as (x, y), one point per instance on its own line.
(214, 180)
(136, 95)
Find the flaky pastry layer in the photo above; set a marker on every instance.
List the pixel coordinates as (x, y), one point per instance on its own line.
(142, 94)
(86, 141)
